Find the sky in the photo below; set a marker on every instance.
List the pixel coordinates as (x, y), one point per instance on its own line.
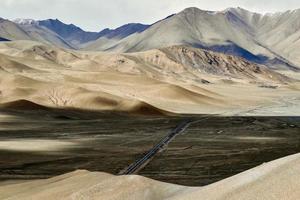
(95, 15)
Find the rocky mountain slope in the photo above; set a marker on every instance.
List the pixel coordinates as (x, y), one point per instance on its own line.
(76, 36)
(269, 39)
(12, 31)
(234, 31)
(53, 31)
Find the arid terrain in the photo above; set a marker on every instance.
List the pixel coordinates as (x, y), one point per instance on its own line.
(178, 80)
(198, 105)
(43, 144)
(46, 143)
(64, 110)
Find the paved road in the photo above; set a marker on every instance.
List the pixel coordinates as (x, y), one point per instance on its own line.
(139, 164)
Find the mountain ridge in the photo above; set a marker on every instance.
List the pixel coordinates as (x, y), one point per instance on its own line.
(74, 36)
(270, 39)
(233, 26)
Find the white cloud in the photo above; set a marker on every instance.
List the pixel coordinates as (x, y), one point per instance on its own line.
(98, 14)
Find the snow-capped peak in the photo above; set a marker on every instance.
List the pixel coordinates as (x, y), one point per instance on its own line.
(25, 21)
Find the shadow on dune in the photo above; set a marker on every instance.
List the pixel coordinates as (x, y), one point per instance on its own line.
(141, 108)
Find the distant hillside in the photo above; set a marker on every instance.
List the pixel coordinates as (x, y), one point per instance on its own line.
(269, 39)
(256, 37)
(64, 35)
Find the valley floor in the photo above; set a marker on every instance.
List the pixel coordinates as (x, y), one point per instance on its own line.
(276, 180)
(43, 144)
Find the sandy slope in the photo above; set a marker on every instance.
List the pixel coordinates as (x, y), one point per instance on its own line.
(276, 180)
(171, 80)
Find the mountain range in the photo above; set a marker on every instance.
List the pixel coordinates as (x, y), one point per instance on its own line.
(270, 39)
(70, 36)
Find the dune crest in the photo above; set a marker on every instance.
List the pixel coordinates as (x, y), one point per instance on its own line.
(276, 180)
(177, 79)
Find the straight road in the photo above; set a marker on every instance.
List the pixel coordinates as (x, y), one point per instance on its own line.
(139, 164)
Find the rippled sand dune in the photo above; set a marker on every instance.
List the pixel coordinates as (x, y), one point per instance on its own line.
(276, 180)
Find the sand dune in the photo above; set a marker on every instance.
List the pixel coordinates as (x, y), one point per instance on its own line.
(176, 79)
(276, 180)
(22, 105)
(11, 66)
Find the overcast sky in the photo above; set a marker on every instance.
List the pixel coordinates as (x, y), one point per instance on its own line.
(94, 15)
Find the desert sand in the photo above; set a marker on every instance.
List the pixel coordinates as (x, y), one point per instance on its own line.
(178, 80)
(34, 145)
(276, 180)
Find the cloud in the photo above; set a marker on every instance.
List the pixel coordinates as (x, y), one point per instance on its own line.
(98, 14)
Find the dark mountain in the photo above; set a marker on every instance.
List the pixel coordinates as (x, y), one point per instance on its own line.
(55, 32)
(76, 36)
(3, 39)
(124, 31)
(69, 32)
